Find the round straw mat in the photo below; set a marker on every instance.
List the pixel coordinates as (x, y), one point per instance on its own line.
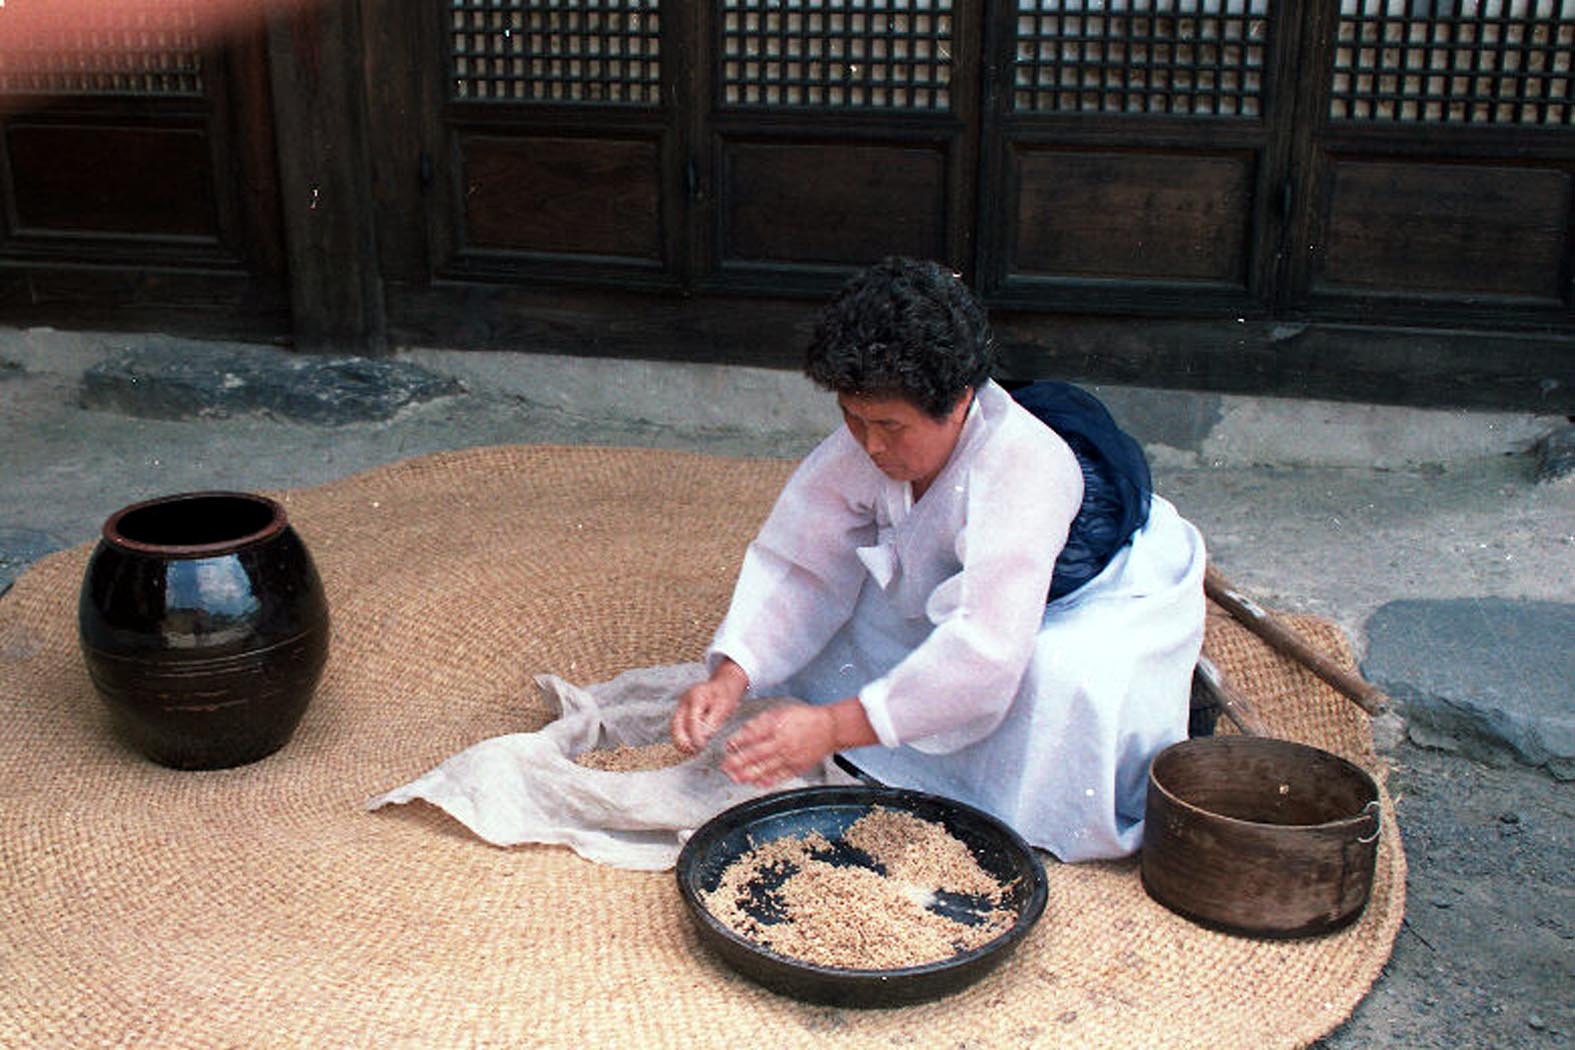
(261, 906)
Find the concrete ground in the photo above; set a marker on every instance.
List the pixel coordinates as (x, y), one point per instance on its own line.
(1443, 541)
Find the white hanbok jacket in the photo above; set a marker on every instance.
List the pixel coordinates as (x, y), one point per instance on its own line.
(933, 614)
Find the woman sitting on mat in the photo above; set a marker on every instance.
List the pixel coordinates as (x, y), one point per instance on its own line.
(962, 599)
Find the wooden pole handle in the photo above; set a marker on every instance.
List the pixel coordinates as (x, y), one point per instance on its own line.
(1234, 706)
(1284, 640)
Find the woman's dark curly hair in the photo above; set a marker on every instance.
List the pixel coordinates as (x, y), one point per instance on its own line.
(903, 328)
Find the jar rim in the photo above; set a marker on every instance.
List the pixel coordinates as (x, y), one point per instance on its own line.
(267, 524)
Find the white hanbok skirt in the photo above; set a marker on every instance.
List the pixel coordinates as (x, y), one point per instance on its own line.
(1106, 690)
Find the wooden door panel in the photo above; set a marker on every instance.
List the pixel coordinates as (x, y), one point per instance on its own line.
(1131, 215)
(1209, 172)
(1457, 229)
(1132, 157)
(121, 143)
(150, 181)
(1437, 176)
(832, 203)
(570, 196)
(137, 170)
(836, 133)
(561, 138)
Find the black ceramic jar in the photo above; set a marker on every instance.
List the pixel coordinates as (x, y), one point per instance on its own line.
(204, 627)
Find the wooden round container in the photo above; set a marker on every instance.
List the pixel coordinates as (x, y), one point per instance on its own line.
(1260, 836)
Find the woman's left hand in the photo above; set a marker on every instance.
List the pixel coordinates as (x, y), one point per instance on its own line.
(785, 741)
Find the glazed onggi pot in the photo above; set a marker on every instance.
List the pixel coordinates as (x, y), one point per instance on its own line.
(204, 627)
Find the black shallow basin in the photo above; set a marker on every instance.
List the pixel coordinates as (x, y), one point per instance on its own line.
(830, 810)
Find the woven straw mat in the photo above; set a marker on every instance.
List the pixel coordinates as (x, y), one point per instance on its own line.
(263, 907)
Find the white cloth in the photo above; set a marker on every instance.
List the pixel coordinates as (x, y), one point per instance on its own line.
(933, 613)
(526, 787)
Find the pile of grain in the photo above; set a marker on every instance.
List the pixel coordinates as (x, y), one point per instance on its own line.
(920, 851)
(626, 759)
(853, 917)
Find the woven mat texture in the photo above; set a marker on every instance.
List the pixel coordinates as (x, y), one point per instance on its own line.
(262, 907)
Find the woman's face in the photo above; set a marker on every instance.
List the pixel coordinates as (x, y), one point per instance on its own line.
(905, 442)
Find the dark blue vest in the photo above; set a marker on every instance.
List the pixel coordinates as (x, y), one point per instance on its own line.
(1116, 480)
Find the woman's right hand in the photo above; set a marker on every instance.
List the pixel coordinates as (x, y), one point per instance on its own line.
(705, 707)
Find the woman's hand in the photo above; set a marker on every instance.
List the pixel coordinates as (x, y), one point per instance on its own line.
(780, 743)
(704, 707)
(792, 738)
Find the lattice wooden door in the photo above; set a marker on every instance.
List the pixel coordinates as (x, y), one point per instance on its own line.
(563, 140)
(1353, 160)
(838, 131)
(126, 153)
(1357, 160)
(1137, 152)
(742, 144)
(1440, 164)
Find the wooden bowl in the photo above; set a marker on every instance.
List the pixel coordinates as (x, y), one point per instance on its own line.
(1258, 836)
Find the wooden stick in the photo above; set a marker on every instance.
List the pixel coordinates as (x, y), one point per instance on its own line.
(1233, 704)
(1286, 641)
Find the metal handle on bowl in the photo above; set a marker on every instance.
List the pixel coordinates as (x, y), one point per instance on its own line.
(1376, 812)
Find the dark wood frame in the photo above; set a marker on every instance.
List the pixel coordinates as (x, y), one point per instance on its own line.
(349, 98)
(1318, 142)
(231, 284)
(1240, 136)
(716, 126)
